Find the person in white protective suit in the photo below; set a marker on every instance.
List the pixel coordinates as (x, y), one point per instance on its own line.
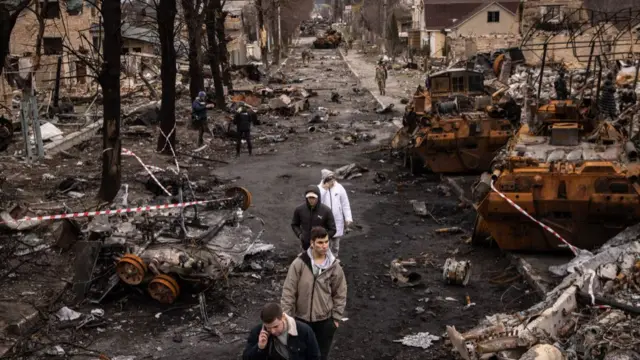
(333, 195)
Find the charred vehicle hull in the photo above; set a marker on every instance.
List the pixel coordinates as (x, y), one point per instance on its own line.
(585, 191)
(452, 127)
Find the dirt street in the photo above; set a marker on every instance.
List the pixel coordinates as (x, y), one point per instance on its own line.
(378, 311)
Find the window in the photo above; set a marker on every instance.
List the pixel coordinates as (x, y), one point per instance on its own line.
(137, 50)
(52, 46)
(476, 83)
(124, 51)
(50, 9)
(81, 72)
(493, 16)
(457, 83)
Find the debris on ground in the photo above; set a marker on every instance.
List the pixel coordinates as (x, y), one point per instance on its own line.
(422, 340)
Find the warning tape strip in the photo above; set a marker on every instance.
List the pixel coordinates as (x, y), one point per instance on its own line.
(130, 153)
(113, 212)
(573, 249)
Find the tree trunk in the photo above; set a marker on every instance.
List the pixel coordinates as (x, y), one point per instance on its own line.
(274, 32)
(222, 44)
(214, 61)
(109, 79)
(166, 23)
(262, 41)
(194, 28)
(8, 16)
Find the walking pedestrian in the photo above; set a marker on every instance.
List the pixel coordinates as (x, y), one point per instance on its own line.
(311, 213)
(381, 77)
(280, 337)
(333, 195)
(315, 290)
(243, 120)
(199, 116)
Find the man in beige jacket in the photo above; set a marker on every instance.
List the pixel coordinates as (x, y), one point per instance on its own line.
(315, 290)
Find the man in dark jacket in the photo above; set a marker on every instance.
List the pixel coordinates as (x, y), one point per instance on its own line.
(199, 115)
(243, 120)
(312, 213)
(280, 337)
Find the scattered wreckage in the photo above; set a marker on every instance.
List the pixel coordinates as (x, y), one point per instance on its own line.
(591, 314)
(459, 135)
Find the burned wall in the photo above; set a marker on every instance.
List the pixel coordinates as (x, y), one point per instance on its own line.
(463, 46)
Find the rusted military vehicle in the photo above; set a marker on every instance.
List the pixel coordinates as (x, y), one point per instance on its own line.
(330, 40)
(454, 126)
(571, 172)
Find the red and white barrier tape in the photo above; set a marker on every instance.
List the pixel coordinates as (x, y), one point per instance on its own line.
(113, 212)
(573, 249)
(130, 153)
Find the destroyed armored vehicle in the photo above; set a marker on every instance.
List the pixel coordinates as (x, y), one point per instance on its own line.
(568, 170)
(330, 40)
(183, 248)
(452, 127)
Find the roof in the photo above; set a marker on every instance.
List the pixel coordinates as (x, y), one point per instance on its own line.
(455, 70)
(133, 32)
(440, 14)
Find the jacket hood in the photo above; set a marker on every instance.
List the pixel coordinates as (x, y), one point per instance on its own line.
(314, 189)
(327, 173)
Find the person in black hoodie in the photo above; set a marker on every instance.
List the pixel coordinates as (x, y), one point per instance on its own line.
(243, 120)
(312, 213)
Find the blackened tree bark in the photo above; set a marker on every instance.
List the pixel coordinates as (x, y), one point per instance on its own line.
(166, 14)
(194, 20)
(222, 44)
(260, 7)
(9, 13)
(274, 32)
(40, 10)
(213, 52)
(109, 79)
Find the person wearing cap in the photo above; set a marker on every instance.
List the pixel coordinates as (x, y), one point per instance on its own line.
(333, 195)
(243, 119)
(310, 214)
(199, 115)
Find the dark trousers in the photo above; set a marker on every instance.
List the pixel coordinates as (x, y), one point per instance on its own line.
(324, 331)
(243, 135)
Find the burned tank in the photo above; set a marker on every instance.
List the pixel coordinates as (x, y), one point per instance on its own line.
(574, 175)
(330, 40)
(454, 125)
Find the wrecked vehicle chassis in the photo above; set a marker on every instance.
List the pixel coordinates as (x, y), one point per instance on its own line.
(587, 193)
(165, 263)
(465, 143)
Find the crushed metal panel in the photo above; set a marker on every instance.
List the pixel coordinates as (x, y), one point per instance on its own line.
(87, 253)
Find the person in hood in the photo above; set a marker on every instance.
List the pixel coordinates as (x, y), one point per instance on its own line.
(312, 213)
(333, 195)
(280, 337)
(315, 290)
(243, 119)
(199, 115)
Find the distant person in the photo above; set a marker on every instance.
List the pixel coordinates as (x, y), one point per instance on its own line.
(333, 195)
(381, 77)
(280, 337)
(310, 214)
(560, 86)
(199, 116)
(315, 290)
(243, 120)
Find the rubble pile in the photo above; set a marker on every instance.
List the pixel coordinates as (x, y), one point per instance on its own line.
(591, 314)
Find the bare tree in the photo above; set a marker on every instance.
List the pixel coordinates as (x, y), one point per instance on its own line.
(260, 8)
(213, 50)
(220, 16)
(194, 19)
(109, 79)
(9, 12)
(166, 14)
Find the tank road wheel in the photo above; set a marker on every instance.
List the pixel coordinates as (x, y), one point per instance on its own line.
(242, 196)
(481, 235)
(131, 269)
(164, 289)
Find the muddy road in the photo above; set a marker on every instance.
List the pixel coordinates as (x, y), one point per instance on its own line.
(379, 311)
